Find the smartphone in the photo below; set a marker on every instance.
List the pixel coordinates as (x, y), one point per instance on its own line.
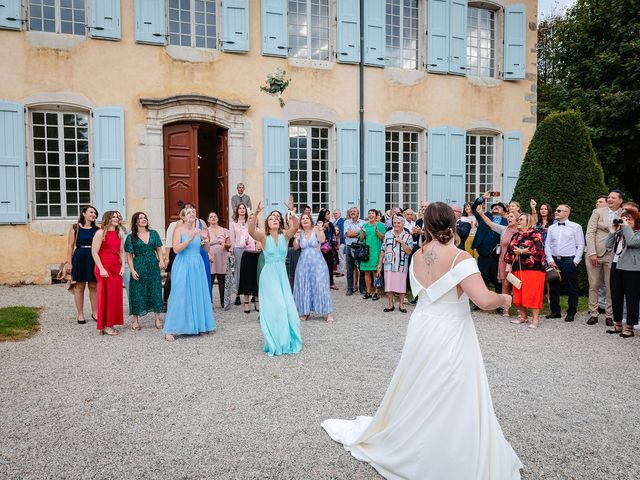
(494, 194)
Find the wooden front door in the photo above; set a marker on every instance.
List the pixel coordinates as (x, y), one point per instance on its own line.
(180, 168)
(222, 187)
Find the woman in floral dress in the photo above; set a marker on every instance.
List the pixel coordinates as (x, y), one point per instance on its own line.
(311, 288)
(145, 259)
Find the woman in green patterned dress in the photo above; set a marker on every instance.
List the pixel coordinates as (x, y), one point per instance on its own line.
(144, 256)
(372, 233)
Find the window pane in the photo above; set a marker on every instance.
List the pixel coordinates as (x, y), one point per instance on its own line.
(480, 42)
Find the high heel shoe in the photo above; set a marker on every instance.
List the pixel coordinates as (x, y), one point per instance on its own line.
(256, 303)
(246, 310)
(159, 324)
(135, 325)
(520, 320)
(81, 321)
(112, 332)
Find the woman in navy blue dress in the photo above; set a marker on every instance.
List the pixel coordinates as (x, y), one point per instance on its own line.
(80, 262)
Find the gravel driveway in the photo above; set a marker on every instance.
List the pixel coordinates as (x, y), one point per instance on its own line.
(79, 405)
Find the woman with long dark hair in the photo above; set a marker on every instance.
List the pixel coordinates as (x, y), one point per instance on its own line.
(278, 316)
(238, 234)
(80, 262)
(436, 420)
(329, 246)
(107, 250)
(145, 260)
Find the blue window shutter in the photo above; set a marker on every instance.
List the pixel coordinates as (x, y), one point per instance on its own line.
(275, 156)
(274, 28)
(438, 164)
(438, 36)
(235, 27)
(512, 163)
(108, 159)
(105, 19)
(374, 166)
(457, 165)
(11, 14)
(13, 175)
(150, 22)
(348, 165)
(374, 39)
(514, 42)
(458, 37)
(348, 50)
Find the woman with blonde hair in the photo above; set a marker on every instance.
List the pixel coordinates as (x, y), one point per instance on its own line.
(525, 258)
(107, 250)
(190, 310)
(219, 245)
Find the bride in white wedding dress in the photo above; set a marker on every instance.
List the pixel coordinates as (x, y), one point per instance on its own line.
(436, 420)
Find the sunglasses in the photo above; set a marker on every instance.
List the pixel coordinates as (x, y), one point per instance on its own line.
(559, 210)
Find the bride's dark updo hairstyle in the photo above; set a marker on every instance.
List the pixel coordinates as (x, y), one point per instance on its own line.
(439, 222)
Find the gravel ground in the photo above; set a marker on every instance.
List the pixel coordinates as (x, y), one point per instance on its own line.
(79, 405)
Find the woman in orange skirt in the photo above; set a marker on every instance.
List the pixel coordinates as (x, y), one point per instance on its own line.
(107, 250)
(525, 256)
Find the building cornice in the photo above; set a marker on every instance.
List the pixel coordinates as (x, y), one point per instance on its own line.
(193, 99)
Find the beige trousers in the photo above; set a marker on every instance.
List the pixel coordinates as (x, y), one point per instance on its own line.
(596, 276)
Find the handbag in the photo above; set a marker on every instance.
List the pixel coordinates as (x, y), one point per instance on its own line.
(66, 277)
(513, 280)
(552, 274)
(378, 281)
(325, 247)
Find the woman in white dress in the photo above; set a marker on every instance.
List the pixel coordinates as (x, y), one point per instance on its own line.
(436, 419)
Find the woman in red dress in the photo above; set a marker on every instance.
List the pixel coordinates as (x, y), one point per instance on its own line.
(107, 250)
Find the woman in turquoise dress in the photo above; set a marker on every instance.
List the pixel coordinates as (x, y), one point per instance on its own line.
(278, 314)
(190, 310)
(372, 233)
(145, 259)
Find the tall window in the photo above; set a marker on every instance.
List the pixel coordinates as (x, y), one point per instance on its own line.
(192, 23)
(308, 22)
(481, 45)
(402, 33)
(58, 16)
(480, 165)
(61, 163)
(401, 170)
(309, 166)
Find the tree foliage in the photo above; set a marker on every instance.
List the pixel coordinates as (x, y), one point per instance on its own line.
(561, 167)
(589, 61)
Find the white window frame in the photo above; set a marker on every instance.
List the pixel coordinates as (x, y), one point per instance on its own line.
(58, 19)
(325, 185)
(310, 26)
(498, 37)
(402, 50)
(59, 110)
(414, 186)
(192, 25)
(479, 186)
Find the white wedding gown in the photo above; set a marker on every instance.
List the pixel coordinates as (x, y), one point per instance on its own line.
(436, 420)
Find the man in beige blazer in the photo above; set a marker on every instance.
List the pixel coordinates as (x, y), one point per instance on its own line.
(598, 256)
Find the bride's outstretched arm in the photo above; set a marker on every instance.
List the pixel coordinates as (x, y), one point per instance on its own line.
(481, 296)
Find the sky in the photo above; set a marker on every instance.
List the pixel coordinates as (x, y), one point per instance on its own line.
(546, 7)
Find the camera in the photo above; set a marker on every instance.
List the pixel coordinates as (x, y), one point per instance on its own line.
(617, 221)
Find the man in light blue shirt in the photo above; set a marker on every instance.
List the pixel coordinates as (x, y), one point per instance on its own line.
(352, 228)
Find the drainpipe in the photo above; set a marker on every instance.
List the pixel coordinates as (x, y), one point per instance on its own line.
(362, 206)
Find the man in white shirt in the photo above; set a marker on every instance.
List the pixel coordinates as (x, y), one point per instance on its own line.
(563, 249)
(352, 227)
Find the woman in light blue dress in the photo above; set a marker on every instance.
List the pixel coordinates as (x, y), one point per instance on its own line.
(311, 287)
(278, 314)
(190, 310)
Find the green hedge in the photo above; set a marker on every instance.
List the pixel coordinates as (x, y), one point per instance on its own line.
(561, 167)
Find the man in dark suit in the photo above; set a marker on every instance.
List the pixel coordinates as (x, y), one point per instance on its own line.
(486, 240)
(462, 228)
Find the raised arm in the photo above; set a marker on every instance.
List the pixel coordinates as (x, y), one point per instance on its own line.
(534, 213)
(493, 226)
(294, 223)
(256, 234)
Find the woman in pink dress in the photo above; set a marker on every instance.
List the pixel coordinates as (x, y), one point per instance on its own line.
(219, 245)
(107, 250)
